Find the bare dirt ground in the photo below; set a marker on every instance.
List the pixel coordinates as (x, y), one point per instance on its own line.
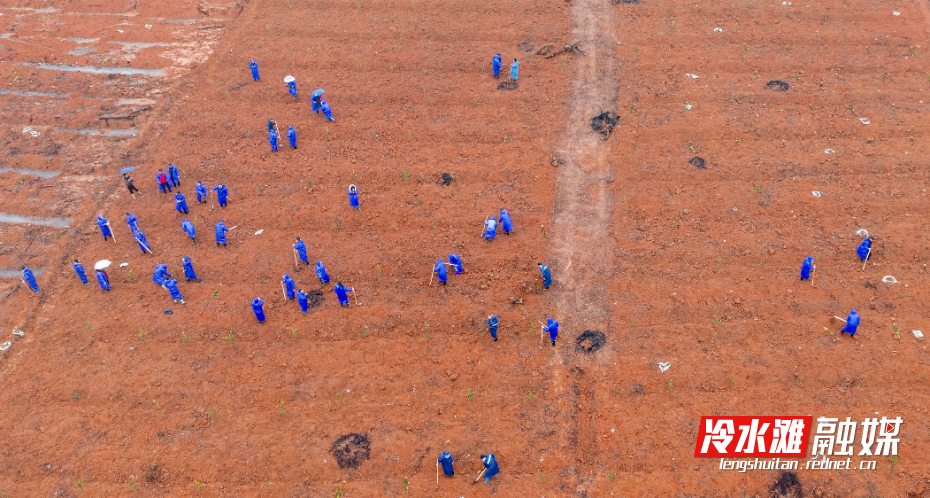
(106, 395)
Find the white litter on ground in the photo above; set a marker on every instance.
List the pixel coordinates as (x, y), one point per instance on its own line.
(692, 76)
(888, 279)
(918, 334)
(663, 366)
(817, 193)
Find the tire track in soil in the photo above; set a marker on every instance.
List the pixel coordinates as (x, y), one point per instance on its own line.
(581, 249)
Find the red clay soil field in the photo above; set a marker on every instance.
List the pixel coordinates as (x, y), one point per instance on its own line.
(749, 137)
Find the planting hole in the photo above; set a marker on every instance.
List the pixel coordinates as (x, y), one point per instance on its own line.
(778, 86)
(590, 341)
(351, 450)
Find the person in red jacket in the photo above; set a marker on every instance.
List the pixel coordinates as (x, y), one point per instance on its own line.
(163, 184)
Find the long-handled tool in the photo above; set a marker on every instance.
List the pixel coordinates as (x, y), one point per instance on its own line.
(295, 259)
(283, 291)
(437, 475)
(484, 226)
(356, 298)
(143, 246)
(542, 328)
(814, 269)
(840, 319)
(112, 233)
(481, 474)
(431, 275)
(866, 259)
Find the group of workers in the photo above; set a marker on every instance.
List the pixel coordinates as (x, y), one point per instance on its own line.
(496, 67)
(161, 276)
(445, 460)
(166, 280)
(171, 179)
(490, 225)
(864, 251)
(316, 99)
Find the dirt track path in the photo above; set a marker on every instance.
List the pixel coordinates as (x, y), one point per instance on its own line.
(580, 249)
(581, 246)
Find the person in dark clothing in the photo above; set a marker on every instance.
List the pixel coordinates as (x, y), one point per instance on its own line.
(132, 188)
